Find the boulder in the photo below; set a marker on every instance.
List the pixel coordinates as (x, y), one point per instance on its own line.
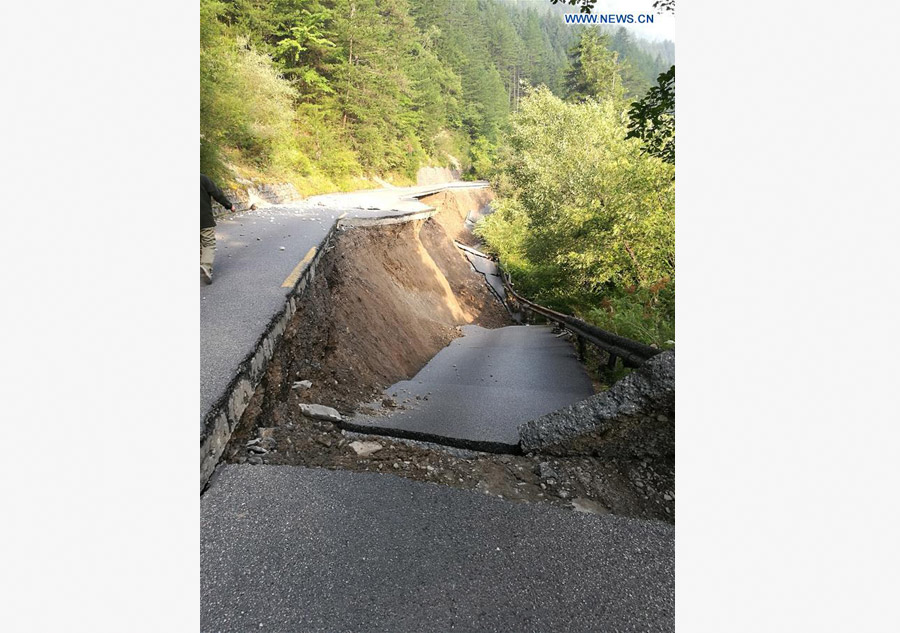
(320, 412)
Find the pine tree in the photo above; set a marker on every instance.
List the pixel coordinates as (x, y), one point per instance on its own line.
(595, 70)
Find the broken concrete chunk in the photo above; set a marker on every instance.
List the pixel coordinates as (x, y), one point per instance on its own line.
(320, 412)
(302, 384)
(364, 449)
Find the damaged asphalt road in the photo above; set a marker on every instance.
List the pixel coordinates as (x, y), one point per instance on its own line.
(476, 392)
(251, 267)
(492, 542)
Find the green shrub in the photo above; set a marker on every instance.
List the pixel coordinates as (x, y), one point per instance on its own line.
(642, 315)
(584, 221)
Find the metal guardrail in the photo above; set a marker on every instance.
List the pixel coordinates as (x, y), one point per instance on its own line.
(632, 353)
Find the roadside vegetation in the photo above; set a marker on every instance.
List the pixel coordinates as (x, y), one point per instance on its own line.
(327, 93)
(573, 125)
(585, 210)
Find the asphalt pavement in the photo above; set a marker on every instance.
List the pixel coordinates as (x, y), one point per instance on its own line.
(256, 251)
(293, 549)
(477, 391)
(489, 268)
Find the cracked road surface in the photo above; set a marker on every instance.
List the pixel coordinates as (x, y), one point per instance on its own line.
(477, 391)
(251, 269)
(294, 549)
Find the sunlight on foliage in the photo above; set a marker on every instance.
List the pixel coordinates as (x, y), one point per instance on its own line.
(584, 215)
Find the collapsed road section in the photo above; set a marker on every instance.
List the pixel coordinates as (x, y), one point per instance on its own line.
(266, 258)
(306, 525)
(479, 389)
(389, 303)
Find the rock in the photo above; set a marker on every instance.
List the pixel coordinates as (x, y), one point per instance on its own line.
(281, 248)
(564, 494)
(396, 466)
(257, 449)
(364, 449)
(320, 412)
(252, 442)
(256, 460)
(588, 505)
(302, 384)
(545, 471)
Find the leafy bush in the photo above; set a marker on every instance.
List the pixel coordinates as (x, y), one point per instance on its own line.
(642, 314)
(583, 215)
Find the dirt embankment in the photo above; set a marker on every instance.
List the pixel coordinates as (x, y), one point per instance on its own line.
(455, 206)
(384, 301)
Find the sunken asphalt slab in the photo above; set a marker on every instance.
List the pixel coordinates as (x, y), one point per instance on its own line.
(250, 269)
(293, 549)
(482, 387)
(490, 270)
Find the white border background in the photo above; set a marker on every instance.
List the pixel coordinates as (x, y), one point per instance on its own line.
(787, 317)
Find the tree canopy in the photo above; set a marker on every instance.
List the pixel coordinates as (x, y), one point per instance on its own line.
(653, 118)
(584, 215)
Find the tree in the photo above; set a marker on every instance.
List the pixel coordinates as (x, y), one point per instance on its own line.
(301, 45)
(664, 5)
(595, 70)
(579, 205)
(584, 220)
(653, 118)
(588, 5)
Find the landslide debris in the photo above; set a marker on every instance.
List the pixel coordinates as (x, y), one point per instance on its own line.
(383, 302)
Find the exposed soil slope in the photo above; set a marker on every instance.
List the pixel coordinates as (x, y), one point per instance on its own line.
(455, 206)
(384, 301)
